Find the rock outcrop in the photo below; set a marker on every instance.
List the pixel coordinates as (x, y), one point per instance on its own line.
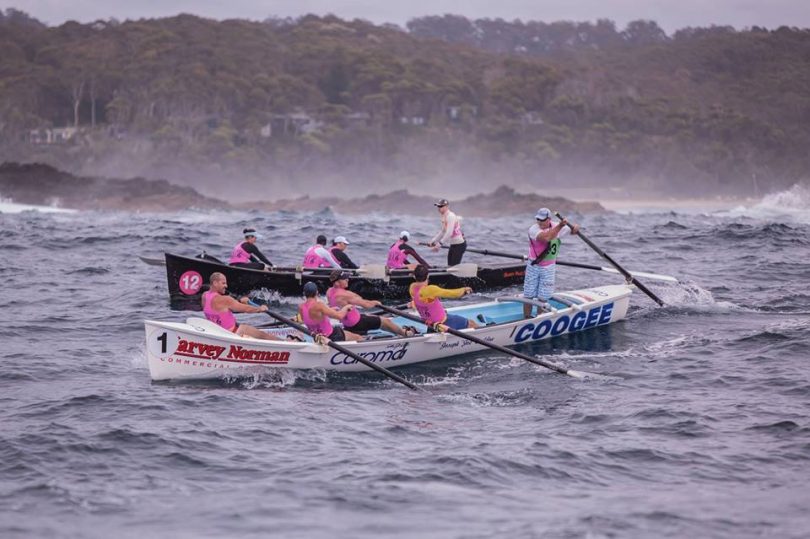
(44, 185)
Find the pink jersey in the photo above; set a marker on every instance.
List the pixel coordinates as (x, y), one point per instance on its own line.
(396, 256)
(323, 327)
(431, 312)
(352, 317)
(536, 248)
(314, 260)
(223, 318)
(239, 255)
(456, 229)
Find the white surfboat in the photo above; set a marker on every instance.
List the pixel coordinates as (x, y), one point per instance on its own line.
(199, 349)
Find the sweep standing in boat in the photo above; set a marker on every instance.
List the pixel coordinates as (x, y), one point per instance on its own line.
(318, 257)
(426, 300)
(218, 307)
(399, 252)
(339, 296)
(338, 251)
(316, 316)
(450, 234)
(247, 255)
(544, 246)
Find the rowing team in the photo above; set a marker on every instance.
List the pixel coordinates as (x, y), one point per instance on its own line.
(247, 255)
(342, 305)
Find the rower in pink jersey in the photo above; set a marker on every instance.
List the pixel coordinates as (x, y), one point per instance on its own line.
(426, 300)
(316, 315)
(318, 257)
(218, 307)
(398, 254)
(245, 254)
(339, 296)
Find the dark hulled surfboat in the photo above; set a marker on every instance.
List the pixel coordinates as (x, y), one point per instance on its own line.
(187, 278)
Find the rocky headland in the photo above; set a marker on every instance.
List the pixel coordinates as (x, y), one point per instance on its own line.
(44, 185)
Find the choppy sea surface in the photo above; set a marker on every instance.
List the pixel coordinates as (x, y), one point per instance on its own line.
(704, 432)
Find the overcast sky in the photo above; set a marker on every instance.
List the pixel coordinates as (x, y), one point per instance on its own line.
(670, 14)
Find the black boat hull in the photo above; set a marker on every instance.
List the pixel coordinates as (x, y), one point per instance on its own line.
(188, 277)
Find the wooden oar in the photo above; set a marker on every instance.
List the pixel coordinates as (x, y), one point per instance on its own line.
(343, 350)
(627, 274)
(499, 348)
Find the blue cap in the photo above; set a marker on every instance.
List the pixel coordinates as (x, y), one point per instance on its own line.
(542, 214)
(310, 289)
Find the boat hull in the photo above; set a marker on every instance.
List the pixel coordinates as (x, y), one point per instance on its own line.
(186, 278)
(198, 349)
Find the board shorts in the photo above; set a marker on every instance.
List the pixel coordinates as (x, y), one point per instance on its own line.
(539, 281)
(366, 323)
(455, 321)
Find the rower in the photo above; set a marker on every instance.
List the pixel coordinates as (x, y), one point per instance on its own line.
(399, 252)
(247, 255)
(426, 300)
(339, 296)
(338, 251)
(316, 316)
(318, 257)
(219, 307)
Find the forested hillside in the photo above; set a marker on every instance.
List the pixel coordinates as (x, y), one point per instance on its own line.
(286, 104)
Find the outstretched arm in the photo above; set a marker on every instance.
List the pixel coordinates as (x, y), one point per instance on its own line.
(326, 255)
(326, 310)
(252, 249)
(410, 251)
(227, 302)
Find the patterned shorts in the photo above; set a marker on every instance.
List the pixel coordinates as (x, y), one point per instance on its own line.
(539, 281)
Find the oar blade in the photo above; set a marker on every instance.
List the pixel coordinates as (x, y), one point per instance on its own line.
(584, 375)
(468, 269)
(372, 271)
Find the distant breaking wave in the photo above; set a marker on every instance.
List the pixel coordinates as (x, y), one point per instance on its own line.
(9, 206)
(793, 203)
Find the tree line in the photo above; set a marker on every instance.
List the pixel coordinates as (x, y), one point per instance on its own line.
(705, 107)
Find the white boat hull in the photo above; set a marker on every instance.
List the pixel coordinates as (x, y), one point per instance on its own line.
(198, 349)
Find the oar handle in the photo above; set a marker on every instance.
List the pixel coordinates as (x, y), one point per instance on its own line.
(303, 329)
(498, 347)
(613, 263)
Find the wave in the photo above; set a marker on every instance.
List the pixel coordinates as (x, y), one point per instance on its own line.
(791, 204)
(686, 297)
(9, 206)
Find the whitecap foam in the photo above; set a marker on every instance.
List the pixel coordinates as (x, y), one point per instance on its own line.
(9, 206)
(690, 297)
(791, 204)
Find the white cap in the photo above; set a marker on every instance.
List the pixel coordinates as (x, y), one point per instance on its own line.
(341, 239)
(405, 234)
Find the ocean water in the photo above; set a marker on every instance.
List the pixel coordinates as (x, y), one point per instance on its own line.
(704, 432)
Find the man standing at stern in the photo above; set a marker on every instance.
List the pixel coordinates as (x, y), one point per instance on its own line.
(449, 234)
(544, 245)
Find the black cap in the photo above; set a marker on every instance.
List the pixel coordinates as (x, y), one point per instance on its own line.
(440, 203)
(337, 275)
